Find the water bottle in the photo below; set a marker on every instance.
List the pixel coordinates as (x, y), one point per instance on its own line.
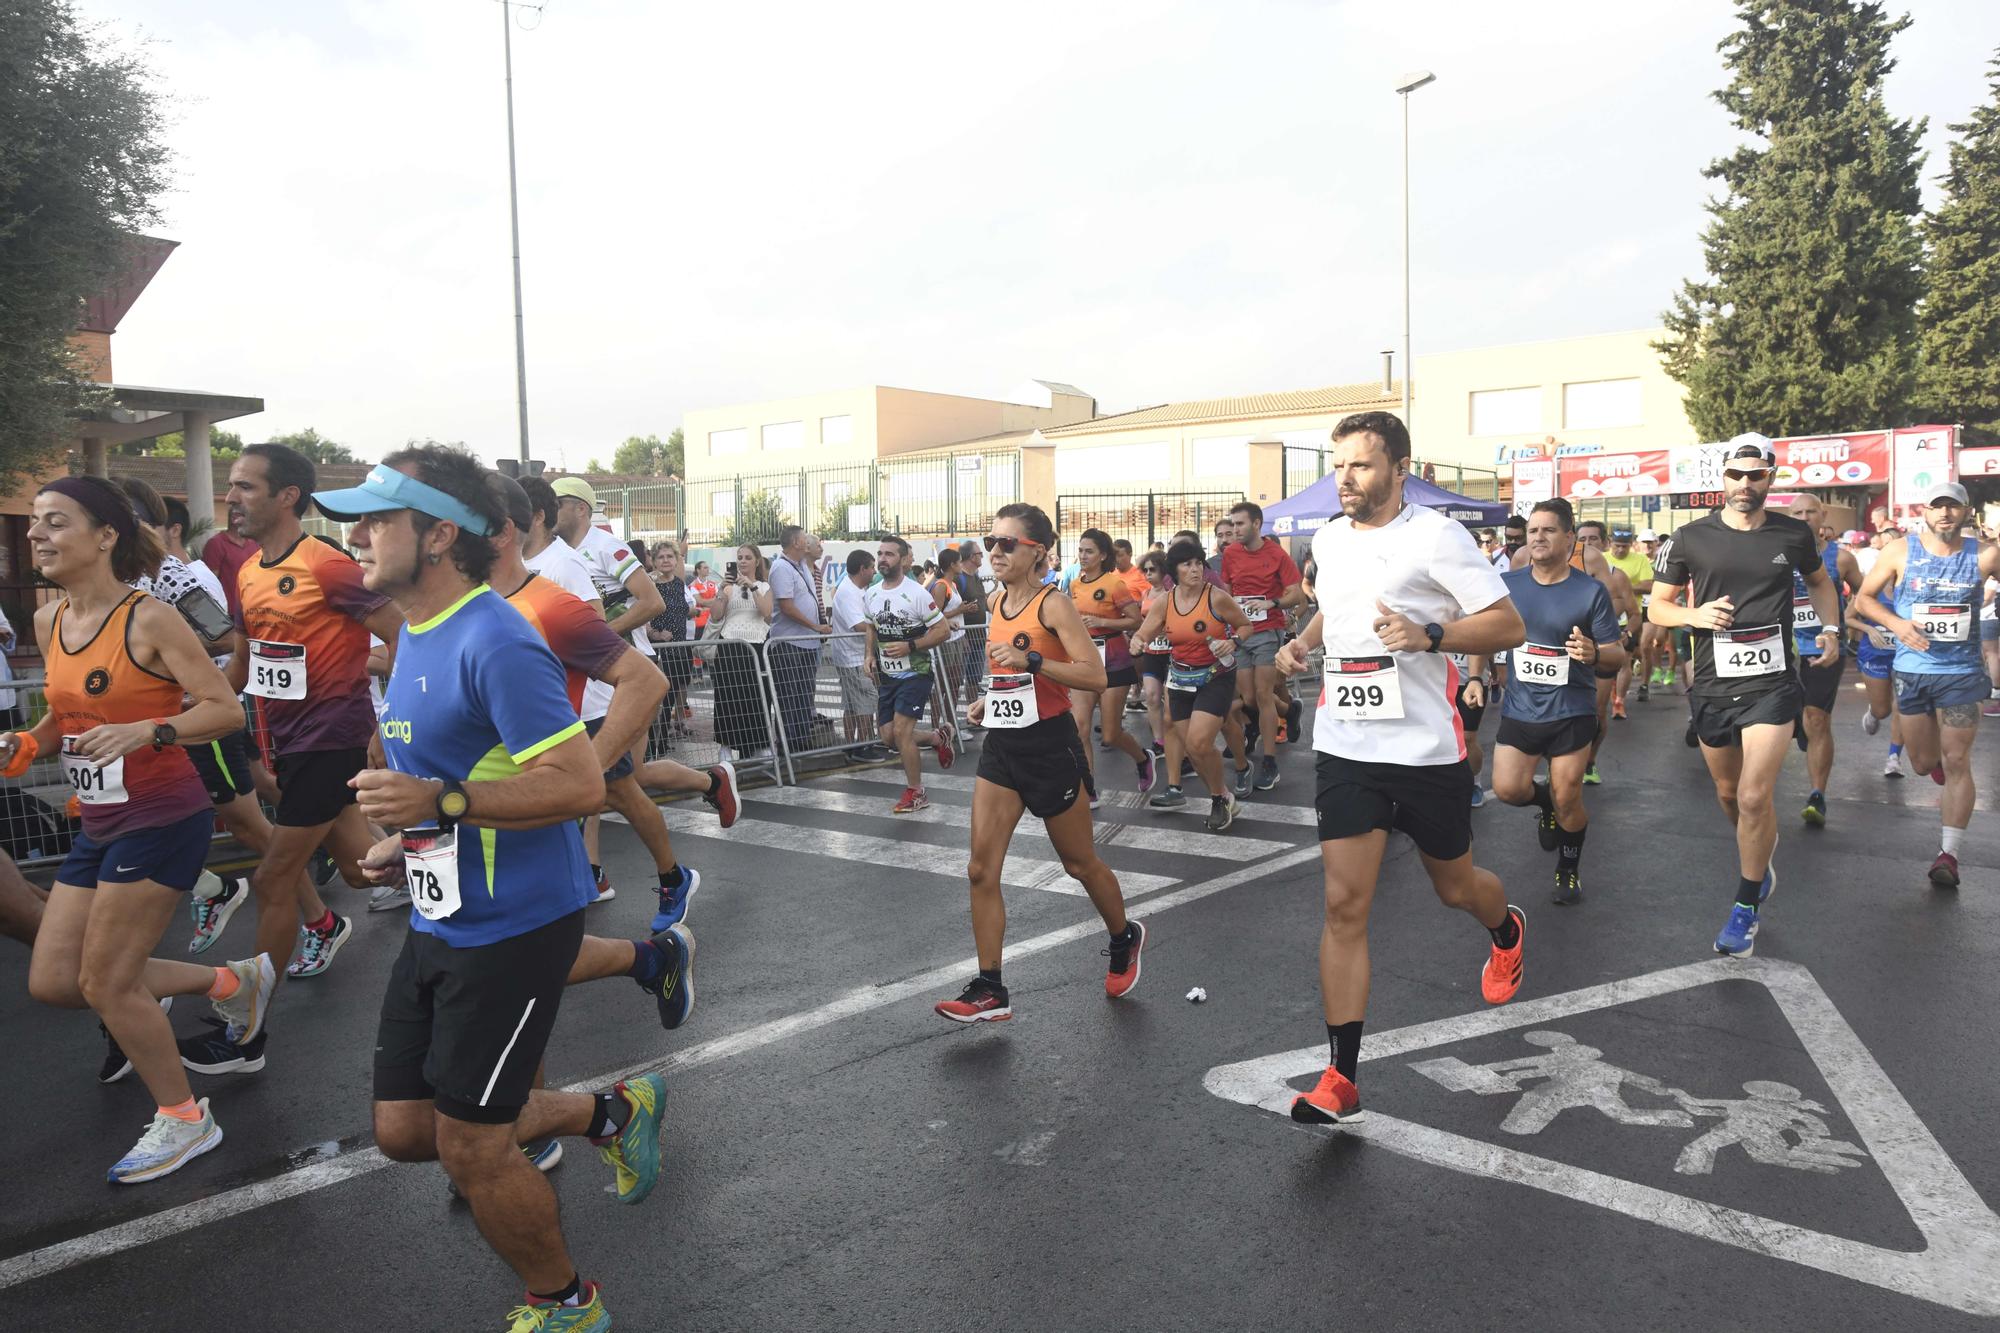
(1225, 653)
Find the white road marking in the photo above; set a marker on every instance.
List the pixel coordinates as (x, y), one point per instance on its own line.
(1960, 1265)
(1162, 838)
(1257, 809)
(863, 999)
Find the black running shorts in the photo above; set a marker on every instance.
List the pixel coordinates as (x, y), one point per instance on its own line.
(1215, 698)
(1468, 716)
(224, 766)
(465, 1028)
(1822, 684)
(619, 770)
(1043, 764)
(1565, 735)
(1719, 721)
(1154, 665)
(1430, 802)
(312, 785)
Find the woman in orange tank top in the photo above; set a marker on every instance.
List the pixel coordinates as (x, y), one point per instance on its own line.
(1108, 610)
(1032, 760)
(1195, 616)
(119, 664)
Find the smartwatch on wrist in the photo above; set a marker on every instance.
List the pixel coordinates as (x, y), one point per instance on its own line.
(1034, 664)
(452, 803)
(1436, 633)
(164, 734)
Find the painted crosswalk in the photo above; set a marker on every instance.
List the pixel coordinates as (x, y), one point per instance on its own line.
(1256, 810)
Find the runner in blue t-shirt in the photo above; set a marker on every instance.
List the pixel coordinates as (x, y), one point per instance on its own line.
(1550, 708)
(488, 770)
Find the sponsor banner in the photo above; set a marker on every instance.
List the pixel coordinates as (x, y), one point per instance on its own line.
(1833, 460)
(1979, 462)
(1695, 467)
(1534, 482)
(1598, 476)
(1923, 459)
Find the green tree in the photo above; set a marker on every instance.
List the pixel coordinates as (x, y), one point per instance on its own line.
(1959, 376)
(223, 445)
(1806, 320)
(316, 447)
(759, 516)
(650, 456)
(81, 164)
(832, 525)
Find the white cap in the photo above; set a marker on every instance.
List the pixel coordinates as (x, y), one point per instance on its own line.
(1648, 535)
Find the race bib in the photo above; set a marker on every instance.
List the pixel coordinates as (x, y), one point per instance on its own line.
(894, 666)
(1363, 689)
(1741, 654)
(95, 783)
(1010, 701)
(1805, 620)
(1257, 608)
(1539, 664)
(1943, 622)
(430, 862)
(277, 670)
(1162, 644)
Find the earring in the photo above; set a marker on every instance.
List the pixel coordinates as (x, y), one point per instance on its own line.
(434, 557)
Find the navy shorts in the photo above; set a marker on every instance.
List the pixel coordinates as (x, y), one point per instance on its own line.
(618, 771)
(172, 855)
(1874, 662)
(1918, 694)
(908, 695)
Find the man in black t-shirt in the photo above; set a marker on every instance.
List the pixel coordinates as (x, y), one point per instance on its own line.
(1728, 579)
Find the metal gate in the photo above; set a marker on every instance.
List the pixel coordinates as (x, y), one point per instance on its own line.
(1142, 517)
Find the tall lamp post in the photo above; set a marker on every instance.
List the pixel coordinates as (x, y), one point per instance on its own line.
(1406, 85)
(514, 220)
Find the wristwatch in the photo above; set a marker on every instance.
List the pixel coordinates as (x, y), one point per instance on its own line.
(1034, 664)
(1436, 633)
(164, 734)
(452, 803)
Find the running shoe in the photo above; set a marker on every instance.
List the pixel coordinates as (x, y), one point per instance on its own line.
(167, 1145)
(913, 800)
(1478, 795)
(1893, 766)
(1093, 798)
(1170, 799)
(316, 950)
(1645, 690)
(1123, 973)
(1937, 775)
(539, 1316)
(1159, 750)
(723, 799)
(945, 739)
(324, 870)
(1501, 976)
(116, 1063)
(1243, 782)
(674, 902)
(544, 1155)
(1618, 708)
(1569, 887)
(1335, 1101)
(211, 914)
(634, 1151)
(251, 1003)
(1991, 708)
(1870, 724)
(389, 897)
(1267, 774)
(1944, 871)
(1547, 832)
(1221, 812)
(1799, 734)
(1590, 777)
(1692, 739)
(980, 1002)
(605, 893)
(1739, 934)
(1815, 811)
(673, 989)
(218, 1052)
(1149, 771)
(1293, 711)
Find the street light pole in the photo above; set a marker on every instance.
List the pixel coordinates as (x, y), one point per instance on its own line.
(1408, 84)
(514, 220)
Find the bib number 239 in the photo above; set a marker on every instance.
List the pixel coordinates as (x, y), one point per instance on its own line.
(1010, 701)
(430, 863)
(1363, 689)
(277, 670)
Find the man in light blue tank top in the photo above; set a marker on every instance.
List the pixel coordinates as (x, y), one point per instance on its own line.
(1936, 575)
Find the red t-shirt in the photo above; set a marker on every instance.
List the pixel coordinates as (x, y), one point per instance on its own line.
(1265, 572)
(224, 552)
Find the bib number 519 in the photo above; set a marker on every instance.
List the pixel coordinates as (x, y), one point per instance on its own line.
(274, 677)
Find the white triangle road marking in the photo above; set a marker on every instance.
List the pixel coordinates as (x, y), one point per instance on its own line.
(1959, 1266)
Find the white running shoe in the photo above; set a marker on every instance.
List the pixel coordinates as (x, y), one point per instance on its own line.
(168, 1143)
(389, 897)
(1893, 766)
(250, 1004)
(1870, 724)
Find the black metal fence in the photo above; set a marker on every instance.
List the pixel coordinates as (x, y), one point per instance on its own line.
(1142, 517)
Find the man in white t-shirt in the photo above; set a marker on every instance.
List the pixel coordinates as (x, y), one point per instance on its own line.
(844, 652)
(631, 598)
(1400, 588)
(902, 624)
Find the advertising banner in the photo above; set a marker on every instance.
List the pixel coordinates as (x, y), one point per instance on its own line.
(1613, 475)
(1695, 467)
(1979, 462)
(1534, 482)
(1923, 459)
(1834, 460)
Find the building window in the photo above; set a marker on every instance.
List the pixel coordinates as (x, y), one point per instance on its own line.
(1114, 464)
(1221, 456)
(722, 442)
(1601, 404)
(836, 430)
(1506, 411)
(781, 435)
(722, 504)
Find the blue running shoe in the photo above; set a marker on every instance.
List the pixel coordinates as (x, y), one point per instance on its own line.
(634, 1151)
(673, 989)
(1739, 937)
(1769, 886)
(674, 901)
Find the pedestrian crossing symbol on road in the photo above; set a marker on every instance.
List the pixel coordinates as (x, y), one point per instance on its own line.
(1686, 1127)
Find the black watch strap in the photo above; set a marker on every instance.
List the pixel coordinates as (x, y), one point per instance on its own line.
(1034, 664)
(451, 803)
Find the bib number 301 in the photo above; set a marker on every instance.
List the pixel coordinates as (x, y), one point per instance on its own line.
(1363, 689)
(430, 863)
(277, 670)
(95, 783)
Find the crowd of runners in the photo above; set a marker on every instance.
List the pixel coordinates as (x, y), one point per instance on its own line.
(453, 697)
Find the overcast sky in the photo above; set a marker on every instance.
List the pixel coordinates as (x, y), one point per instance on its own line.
(723, 203)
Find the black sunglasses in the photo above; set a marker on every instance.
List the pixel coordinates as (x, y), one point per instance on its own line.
(1006, 545)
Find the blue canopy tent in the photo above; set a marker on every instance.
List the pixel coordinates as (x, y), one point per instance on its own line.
(1300, 515)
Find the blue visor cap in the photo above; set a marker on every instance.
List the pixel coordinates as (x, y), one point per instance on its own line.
(386, 488)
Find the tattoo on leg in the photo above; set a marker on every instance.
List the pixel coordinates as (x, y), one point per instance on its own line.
(1959, 715)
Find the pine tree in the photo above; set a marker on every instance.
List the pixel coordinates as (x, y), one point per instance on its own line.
(1959, 380)
(1806, 320)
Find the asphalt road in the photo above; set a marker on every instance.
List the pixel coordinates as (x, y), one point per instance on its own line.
(839, 1158)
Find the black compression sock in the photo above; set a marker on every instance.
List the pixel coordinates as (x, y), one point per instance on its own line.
(611, 1114)
(991, 975)
(1747, 891)
(670, 878)
(1543, 801)
(1508, 933)
(1345, 1039)
(570, 1295)
(1569, 850)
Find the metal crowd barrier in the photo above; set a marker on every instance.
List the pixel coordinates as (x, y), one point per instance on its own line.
(721, 704)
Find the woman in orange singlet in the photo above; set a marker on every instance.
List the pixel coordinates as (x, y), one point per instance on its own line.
(1105, 603)
(1154, 654)
(119, 664)
(1032, 759)
(1199, 620)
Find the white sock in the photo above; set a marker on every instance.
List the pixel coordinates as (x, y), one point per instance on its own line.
(1954, 838)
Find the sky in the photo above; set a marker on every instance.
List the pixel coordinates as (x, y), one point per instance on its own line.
(728, 203)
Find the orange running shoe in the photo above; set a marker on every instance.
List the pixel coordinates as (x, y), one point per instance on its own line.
(1336, 1101)
(1618, 707)
(1501, 976)
(980, 1002)
(913, 800)
(1123, 974)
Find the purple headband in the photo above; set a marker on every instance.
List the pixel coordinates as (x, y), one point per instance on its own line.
(101, 501)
